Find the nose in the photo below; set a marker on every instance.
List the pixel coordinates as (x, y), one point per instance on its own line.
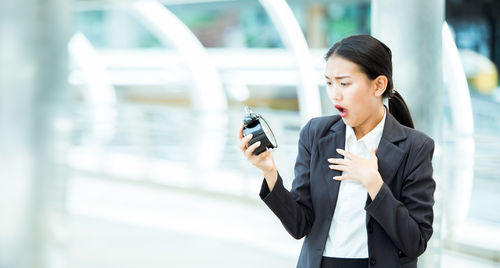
(337, 96)
(336, 92)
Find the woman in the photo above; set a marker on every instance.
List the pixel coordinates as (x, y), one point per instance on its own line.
(363, 188)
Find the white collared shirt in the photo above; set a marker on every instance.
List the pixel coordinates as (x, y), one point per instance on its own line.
(347, 237)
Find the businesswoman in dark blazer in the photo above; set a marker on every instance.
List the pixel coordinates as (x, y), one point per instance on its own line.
(363, 190)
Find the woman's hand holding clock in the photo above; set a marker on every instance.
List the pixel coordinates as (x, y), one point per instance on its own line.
(263, 161)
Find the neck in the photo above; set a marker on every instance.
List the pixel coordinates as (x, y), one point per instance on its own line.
(370, 123)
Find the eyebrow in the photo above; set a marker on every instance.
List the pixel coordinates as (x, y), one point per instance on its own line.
(338, 77)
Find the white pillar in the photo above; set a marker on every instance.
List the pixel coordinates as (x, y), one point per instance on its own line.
(32, 77)
(412, 29)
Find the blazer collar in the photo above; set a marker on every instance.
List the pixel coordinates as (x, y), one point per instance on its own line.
(388, 152)
(327, 145)
(393, 130)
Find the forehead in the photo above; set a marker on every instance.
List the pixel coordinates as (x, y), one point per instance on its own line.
(339, 66)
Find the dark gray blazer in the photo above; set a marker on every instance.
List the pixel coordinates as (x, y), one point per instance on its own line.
(398, 220)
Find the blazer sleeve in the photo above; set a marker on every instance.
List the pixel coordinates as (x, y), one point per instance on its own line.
(409, 222)
(294, 208)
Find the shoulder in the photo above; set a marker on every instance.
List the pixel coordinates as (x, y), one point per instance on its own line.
(407, 139)
(417, 137)
(318, 126)
(418, 143)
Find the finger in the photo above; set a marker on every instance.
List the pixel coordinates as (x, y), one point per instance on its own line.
(346, 154)
(338, 167)
(264, 154)
(340, 178)
(240, 132)
(339, 161)
(244, 141)
(251, 148)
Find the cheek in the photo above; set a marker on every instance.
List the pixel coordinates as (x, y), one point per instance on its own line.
(329, 92)
(359, 95)
(352, 96)
(358, 101)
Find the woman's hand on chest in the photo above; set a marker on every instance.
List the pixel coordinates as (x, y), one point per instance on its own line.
(359, 169)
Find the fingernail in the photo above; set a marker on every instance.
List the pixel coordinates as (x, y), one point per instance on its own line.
(338, 150)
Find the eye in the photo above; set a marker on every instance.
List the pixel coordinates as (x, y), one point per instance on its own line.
(344, 84)
(328, 83)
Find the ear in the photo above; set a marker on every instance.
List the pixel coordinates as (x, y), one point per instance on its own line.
(380, 85)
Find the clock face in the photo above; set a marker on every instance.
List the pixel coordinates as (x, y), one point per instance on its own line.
(268, 132)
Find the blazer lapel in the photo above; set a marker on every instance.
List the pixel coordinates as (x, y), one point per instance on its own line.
(327, 146)
(388, 153)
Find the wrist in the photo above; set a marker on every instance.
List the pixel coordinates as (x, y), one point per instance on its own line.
(269, 172)
(372, 177)
(271, 177)
(374, 184)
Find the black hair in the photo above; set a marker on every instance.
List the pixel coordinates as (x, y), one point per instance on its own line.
(374, 58)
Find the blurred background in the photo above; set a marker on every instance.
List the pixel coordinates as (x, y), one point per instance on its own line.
(118, 124)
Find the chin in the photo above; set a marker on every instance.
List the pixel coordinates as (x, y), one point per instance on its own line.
(350, 122)
(347, 122)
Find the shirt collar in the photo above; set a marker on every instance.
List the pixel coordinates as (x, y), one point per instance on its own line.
(372, 137)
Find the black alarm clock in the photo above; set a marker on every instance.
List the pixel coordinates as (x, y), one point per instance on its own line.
(255, 124)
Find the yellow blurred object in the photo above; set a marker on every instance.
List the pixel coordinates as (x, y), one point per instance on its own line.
(485, 82)
(481, 72)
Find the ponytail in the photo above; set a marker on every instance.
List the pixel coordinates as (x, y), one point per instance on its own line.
(398, 108)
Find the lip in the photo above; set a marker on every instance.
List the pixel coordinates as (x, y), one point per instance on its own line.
(342, 110)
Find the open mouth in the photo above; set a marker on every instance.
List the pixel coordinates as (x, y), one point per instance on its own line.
(342, 110)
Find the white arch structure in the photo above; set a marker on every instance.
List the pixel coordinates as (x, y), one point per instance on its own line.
(293, 38)
(208, 96)
(100, 90)
(100, 93)
(208, 93)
